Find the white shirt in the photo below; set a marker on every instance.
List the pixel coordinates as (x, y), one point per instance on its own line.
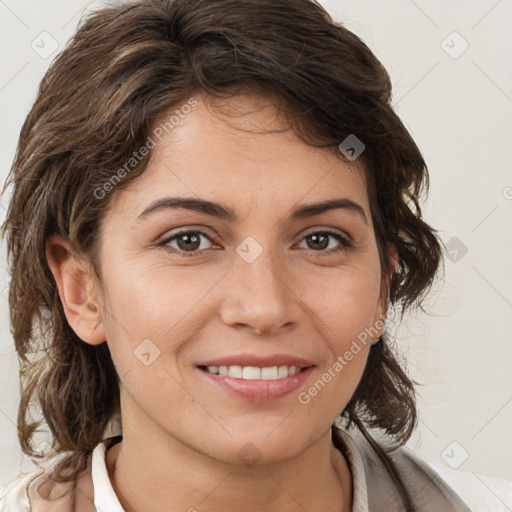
(435, 489)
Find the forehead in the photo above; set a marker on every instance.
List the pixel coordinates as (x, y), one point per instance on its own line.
(239, 150)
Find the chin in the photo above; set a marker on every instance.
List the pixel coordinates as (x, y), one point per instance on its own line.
(256, 446)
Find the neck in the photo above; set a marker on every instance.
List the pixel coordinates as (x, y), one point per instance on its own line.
(147, 473)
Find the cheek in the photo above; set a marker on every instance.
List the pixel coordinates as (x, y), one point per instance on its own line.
(155, 296)
(346, 323)
(347, 302)
(150, 309)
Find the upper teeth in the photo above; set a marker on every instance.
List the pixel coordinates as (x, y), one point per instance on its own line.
(254, 373)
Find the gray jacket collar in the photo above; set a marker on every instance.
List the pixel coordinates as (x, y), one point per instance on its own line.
(374, 489)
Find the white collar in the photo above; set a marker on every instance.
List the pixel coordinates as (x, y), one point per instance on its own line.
(106, 500)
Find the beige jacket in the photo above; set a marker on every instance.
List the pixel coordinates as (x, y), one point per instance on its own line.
(373, 490)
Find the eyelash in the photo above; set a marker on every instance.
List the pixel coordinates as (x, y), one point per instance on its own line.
(346, 244)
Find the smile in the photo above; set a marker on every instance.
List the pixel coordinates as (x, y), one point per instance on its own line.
(253, 372)
(256, 384)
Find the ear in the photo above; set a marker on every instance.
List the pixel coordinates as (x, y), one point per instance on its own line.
(394, 259)
(77, 290)
(383, 305)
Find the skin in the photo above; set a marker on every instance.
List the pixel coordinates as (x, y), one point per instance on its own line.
(182, 435)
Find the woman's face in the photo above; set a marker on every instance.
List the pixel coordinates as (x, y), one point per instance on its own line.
(265, 282)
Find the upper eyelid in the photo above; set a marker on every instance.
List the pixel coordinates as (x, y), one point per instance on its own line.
(181, 231)
(326, 229)
(309, 231)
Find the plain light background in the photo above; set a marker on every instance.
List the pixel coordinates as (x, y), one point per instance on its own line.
(451, 67)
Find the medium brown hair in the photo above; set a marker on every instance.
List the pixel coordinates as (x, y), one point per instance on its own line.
(126, 65)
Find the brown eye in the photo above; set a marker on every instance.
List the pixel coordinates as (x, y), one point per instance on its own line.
(187, 243)
(319, 241)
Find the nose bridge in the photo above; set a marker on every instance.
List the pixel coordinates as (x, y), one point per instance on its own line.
(258, 294)
(259, 267)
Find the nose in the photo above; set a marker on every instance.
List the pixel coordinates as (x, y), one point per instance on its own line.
(260, 296)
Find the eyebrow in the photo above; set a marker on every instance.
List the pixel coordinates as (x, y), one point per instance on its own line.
(224, 212)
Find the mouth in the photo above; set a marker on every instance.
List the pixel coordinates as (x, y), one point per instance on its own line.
(255, 372)
(253, 383)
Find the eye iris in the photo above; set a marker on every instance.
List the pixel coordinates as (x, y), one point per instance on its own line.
(316, 237)
(189, 238)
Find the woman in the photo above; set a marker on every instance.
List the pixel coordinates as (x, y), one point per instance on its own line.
(214, 206)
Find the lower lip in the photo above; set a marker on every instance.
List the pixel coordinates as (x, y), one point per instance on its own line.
(258, 390)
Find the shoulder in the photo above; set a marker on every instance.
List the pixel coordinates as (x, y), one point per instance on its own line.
(432, 487)
(14, 496)
(480, 492)
(35, 491)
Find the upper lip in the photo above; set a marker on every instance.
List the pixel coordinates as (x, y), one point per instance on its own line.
(258, 361)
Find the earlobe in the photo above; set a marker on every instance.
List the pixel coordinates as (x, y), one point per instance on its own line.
(77, 290)
(384, 300)
(393, 257)
(394, 261)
